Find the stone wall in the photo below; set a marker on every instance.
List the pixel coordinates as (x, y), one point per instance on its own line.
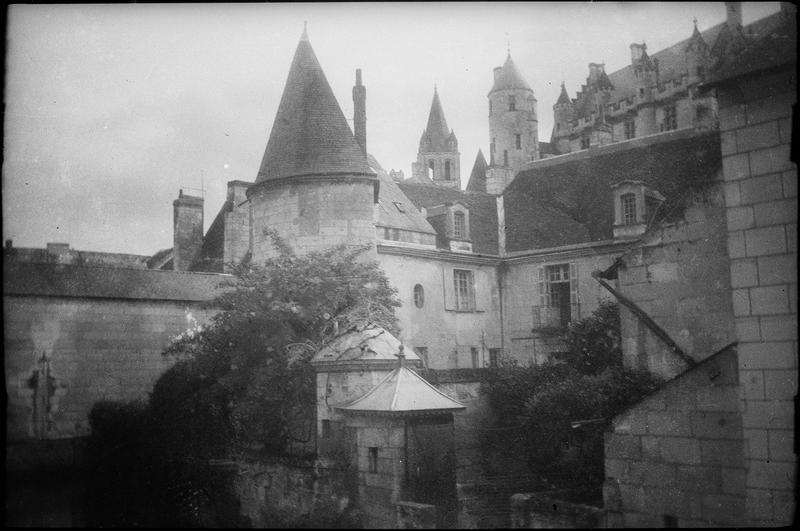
(676, 458)
(755, 115)
(679, 276)
(87, 350)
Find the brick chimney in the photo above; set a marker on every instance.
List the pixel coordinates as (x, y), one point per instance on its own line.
(188, 230)
(360, 112)
(733, 15)
(637, 51)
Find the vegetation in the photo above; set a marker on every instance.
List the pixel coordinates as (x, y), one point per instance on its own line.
(242, 382)
(553, 416)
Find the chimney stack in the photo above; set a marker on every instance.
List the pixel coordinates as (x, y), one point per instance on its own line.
(188, 230)
(733, 14)
(637, 51)
(360, 112)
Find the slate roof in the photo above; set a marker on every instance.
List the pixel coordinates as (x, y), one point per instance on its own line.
(370, 343)
(477, 178)
(59, 280)
(403, 392)
(563, 97)
(482, 212)
(389, 214)
(436, 134)
(568, 200)
(509, 78)
(310, 135)
(775, 46)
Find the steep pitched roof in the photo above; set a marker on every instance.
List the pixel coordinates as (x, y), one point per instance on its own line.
(436, 134)
(482, 212)
(568, 200)
(310, 134)
(509, 78)
(772, 48)
(477, 178)
(390, 202)
(563, 98)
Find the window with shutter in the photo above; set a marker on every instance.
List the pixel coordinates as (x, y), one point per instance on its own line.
(574, 293)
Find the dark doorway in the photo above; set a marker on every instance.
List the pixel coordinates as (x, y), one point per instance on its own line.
(431, 471)
(559, 295)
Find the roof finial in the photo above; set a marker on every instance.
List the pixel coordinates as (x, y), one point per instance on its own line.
(401, 356)
(304, 36)
(695, 22)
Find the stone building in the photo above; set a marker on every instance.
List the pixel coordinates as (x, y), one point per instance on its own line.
(438, 159)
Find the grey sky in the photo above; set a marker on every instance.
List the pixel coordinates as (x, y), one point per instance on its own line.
(111, 109)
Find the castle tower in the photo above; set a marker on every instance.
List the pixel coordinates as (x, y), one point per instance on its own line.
(698, 58)
(438, 157)
(314, 187)
(644, 70)
(513, 126)
(563, 113)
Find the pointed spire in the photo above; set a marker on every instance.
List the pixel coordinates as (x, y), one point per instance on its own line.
(563, 98)
(477, 178)
(304, 36)
(437, 131)
(310, 135)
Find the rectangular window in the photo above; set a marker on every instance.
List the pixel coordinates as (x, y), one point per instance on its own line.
(505, 157)
(670, 118)
(464, 289)
(459, 226)
(628, 209)
(475, 361)
(519, 141)
(373, 460)
(630, 129)
(494, 356)
(585, 142)
(512, 103)
(559, 291)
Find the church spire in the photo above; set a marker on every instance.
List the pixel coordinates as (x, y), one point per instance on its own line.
(437, 131)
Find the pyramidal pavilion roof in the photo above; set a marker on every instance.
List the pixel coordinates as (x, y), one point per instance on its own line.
(310, 135)
(403, 392)
(509, 77)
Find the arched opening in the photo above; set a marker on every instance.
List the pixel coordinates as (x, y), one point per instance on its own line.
(447, 170)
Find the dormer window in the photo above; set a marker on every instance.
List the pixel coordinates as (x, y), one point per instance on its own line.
(459, 226)
(628, 205)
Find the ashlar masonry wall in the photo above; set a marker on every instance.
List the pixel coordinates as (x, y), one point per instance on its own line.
(761, 196)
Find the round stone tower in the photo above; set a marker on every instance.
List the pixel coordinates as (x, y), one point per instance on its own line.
(315, 188)
(513, 120)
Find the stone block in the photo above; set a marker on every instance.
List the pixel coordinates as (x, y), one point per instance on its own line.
(767, 355)
(723, 508)
(769, 300)
(773, 107)
(732, 117)
(736, 245)
(744, 273)
(772, 414)
(766, 240)
(699, 478)
(780, 385)
(781, 445)
(616, 468)
(758, 504)
(748, 329)
(775, 212)
(756, 443)
(777, 269)
(791, 237)
(757, 136)
(663, 272)
(735, 167)
(725, 452)
(779, 327)
(771, 475)
(651, 449)
(728, 142)
(647, 473)
(715, 398)
(680, 450)
(785, 505)
(732, 194)
(733, 480)
(618, 446)
(741, 302)
(760, 189)
(770, 160)
(789, 183)
(672, 423)
(752, 384)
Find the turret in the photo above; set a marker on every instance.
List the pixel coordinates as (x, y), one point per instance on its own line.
(697, 57)
(563, 114)
(644, 70)
(513, 126)
(314, 187)
(438, 158)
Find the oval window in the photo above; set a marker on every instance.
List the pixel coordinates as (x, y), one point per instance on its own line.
(419, 296)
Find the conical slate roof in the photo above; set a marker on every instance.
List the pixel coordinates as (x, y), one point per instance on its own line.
(509, 78)
(310, 135)
(477, 178)
(403, 392)
(437, 133)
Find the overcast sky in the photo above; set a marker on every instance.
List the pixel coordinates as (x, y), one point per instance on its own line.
(110, 109)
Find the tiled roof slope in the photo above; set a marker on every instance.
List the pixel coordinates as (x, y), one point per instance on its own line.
(671, 62)
(578, 187)
(436, 133)
(477, 178)
(57, 280)
(509, 78)
(310, 135)
(482, 211)
(774, 47)
(388, 214)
